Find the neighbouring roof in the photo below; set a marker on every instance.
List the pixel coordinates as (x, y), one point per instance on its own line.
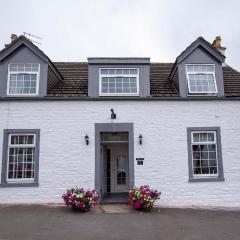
(75, 80)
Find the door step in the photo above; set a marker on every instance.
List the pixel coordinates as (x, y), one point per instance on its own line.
(114, 198)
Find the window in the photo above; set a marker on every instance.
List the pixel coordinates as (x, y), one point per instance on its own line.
(23, 79)
(20, 157)
(205, 160)
(201, 79)
(119, 81)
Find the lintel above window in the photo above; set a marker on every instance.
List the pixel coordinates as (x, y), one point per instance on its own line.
(23, 79)
(118, 81)
(201, 79)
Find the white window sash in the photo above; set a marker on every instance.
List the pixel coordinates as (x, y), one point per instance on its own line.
(203, 73)
(118, 75)
(205, 143)
(23, 72)
(22, 180)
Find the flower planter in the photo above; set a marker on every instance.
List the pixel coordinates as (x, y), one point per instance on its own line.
(77, 209)
(80, 200)
(143, 198)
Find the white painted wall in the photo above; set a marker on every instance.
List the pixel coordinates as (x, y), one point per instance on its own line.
(66, 161)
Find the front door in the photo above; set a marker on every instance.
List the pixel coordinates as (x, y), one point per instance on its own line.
(119, 169)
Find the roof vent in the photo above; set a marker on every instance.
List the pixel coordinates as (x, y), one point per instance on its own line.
(217, 44)
(13, 37)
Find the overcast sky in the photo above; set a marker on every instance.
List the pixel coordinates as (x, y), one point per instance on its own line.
(73, 30)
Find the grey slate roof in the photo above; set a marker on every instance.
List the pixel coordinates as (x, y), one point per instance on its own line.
(75, 80)
(231, 82)
(159, 84)
(73, 76)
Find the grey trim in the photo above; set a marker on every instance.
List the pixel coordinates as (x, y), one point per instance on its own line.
(6, 132)
(207, 179)
(113, 127)
(118, 60)
(219, 153)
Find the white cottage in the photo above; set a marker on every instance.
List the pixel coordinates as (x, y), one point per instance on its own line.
(115, 123)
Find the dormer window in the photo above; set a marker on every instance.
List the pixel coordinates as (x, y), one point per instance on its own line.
(201, 79)
(119, 81)
(23, 79)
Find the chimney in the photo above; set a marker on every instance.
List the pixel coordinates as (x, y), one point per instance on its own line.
(217, 44)
(13, 37)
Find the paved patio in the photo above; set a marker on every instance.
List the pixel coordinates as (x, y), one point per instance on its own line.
(116, 222)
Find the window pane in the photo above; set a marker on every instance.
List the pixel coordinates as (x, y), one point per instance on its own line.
(35, 67)
(20, 67)
(119, 71)
(205, 170)
(203, 137)
(212, 155)
(133, 71)
(190, 68)
(196, 163)
(196, 155)
(210, 68)
(13, 67)
(197, 171)
(210, 137)
(111, 71)
(212, 147)
(104, 71)
(196, 137)
(213, 170)
(28, 67)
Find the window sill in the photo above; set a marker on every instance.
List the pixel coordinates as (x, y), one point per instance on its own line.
(33, 184)
(22, 95)
(202, 94)
(207, 179)
(118, 95)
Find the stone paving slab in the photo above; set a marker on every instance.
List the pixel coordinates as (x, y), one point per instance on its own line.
(116, 208)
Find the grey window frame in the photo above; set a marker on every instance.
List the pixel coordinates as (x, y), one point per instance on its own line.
(220, 176)
(10, 72)
(6, 133)
(101, 76)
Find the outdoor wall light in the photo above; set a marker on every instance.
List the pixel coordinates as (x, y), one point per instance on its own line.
(140, 139)
(87, 139)
(113, 114)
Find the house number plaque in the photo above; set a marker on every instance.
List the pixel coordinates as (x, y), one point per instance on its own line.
(139, 161)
